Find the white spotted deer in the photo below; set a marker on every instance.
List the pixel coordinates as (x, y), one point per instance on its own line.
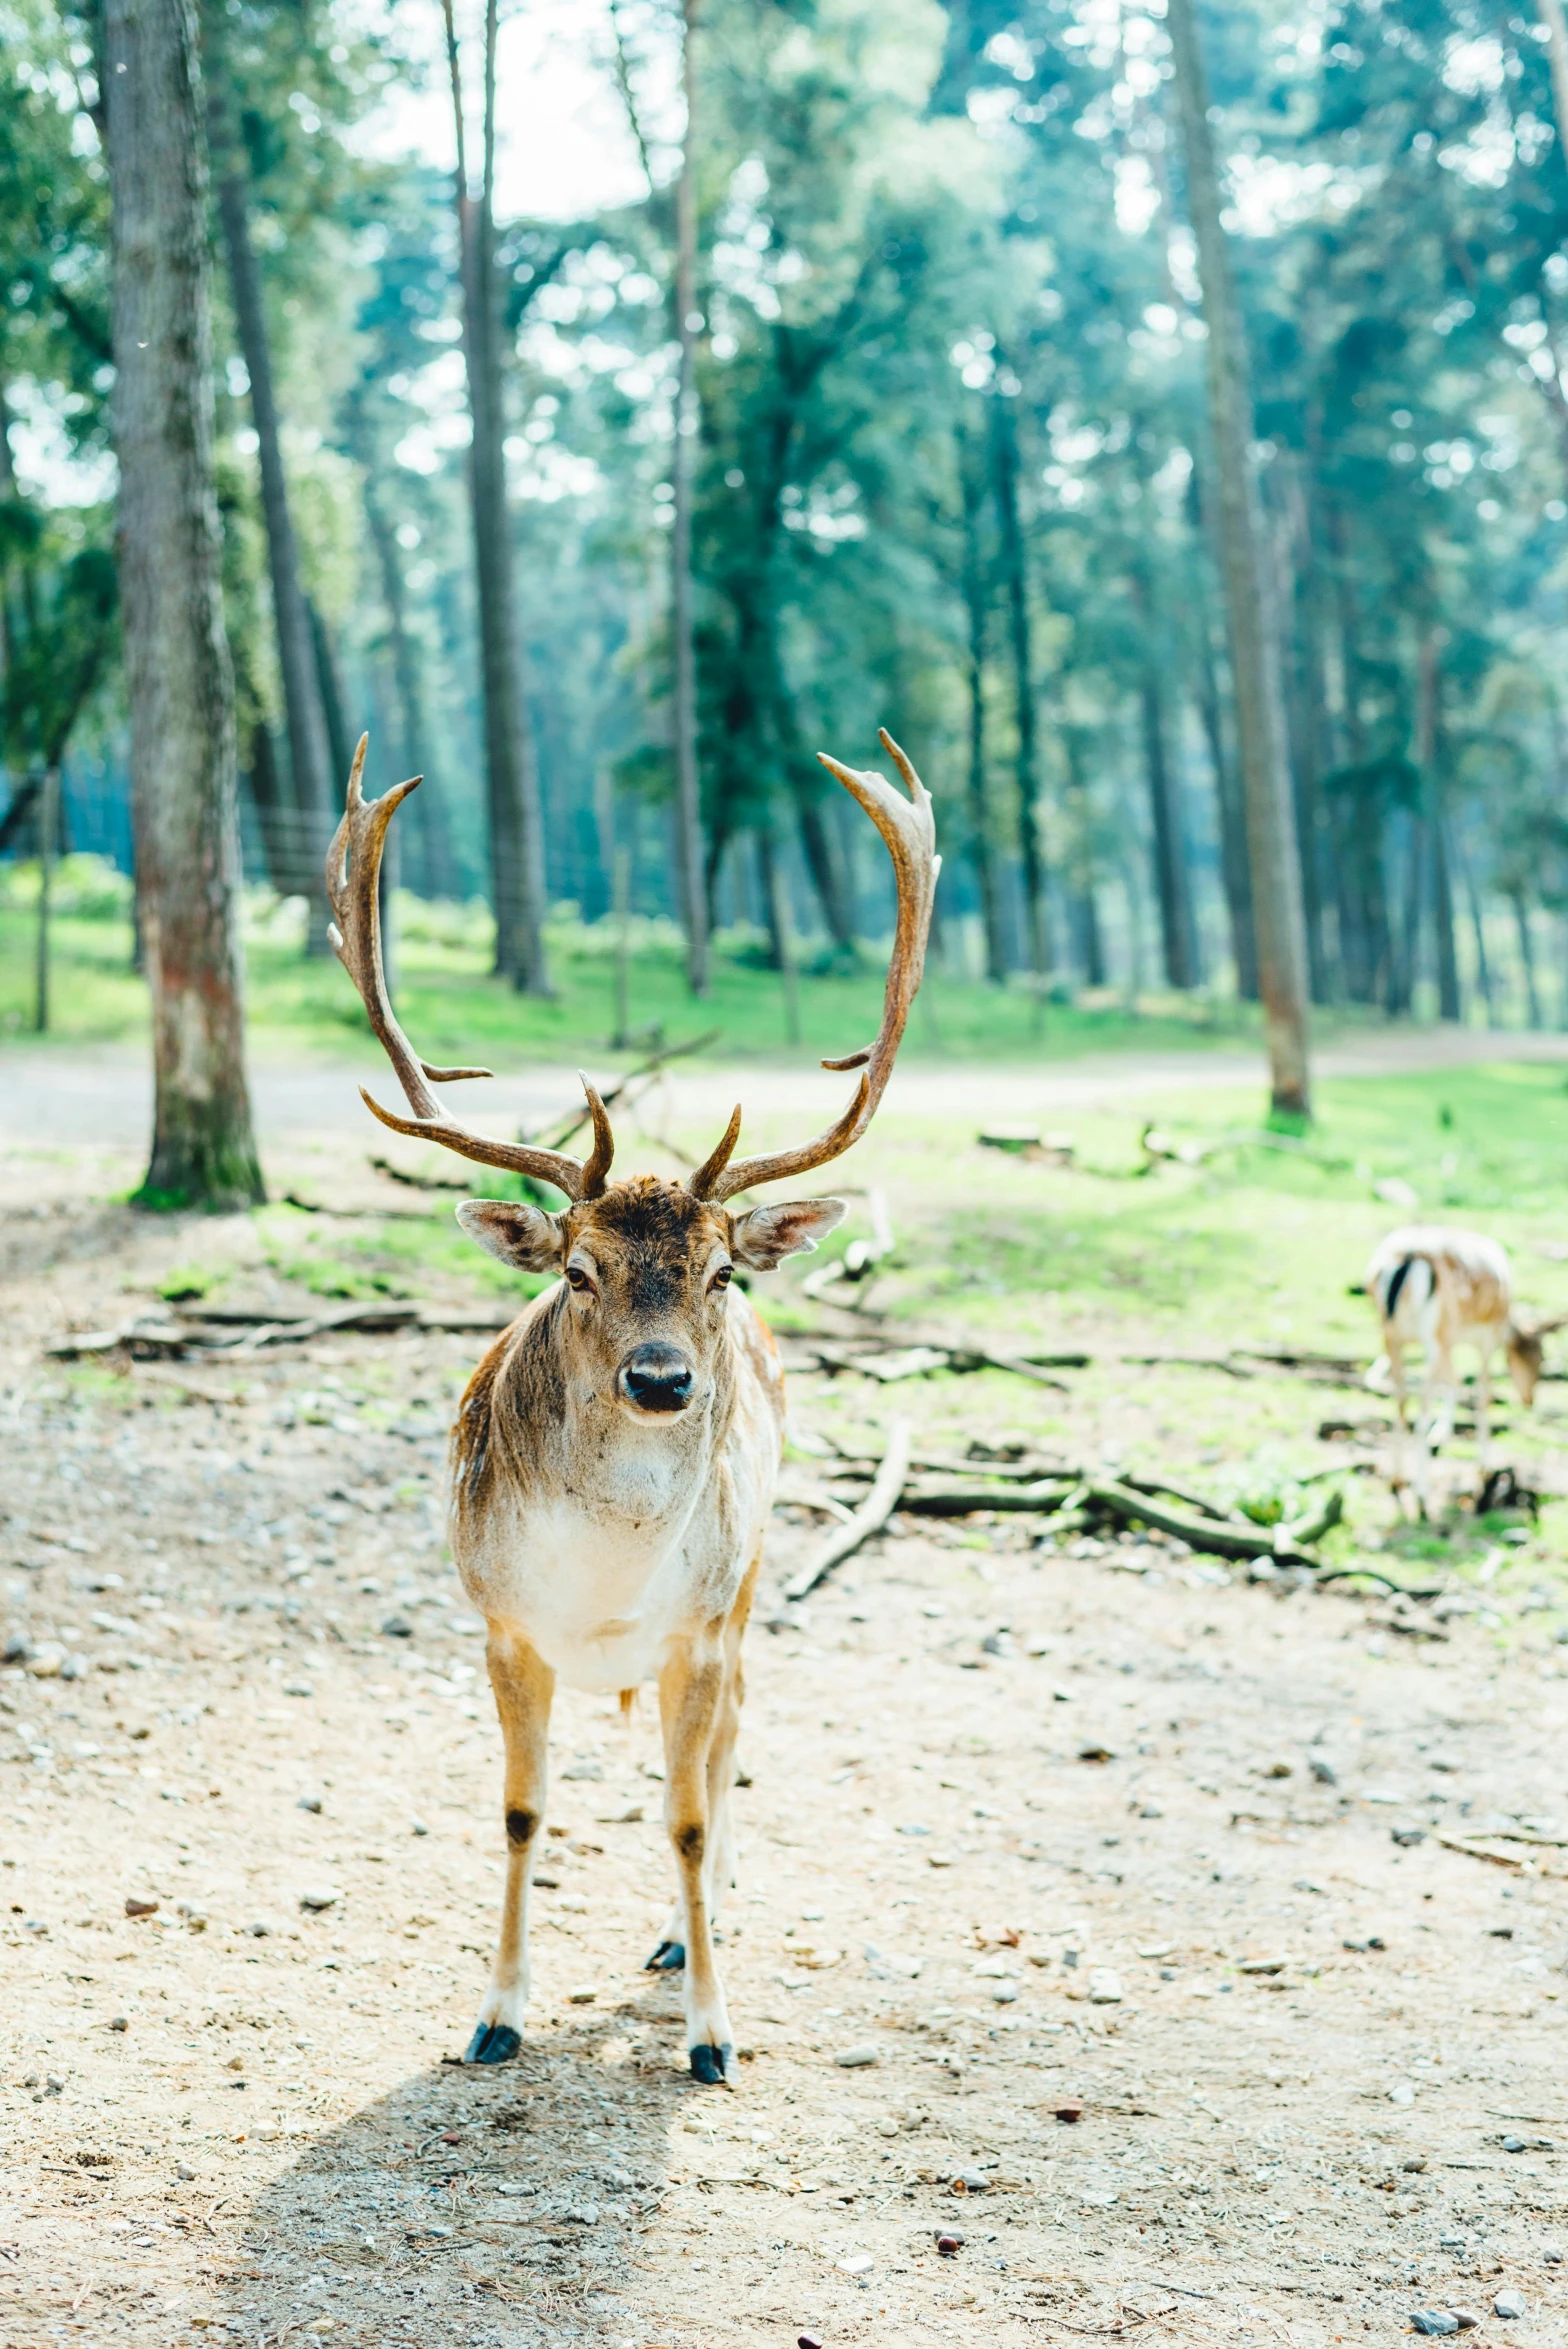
(1439, 1286)
(615, 1454)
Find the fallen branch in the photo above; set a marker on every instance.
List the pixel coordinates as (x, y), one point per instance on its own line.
(869, 1518)
(963, 1500)
(1227, 1540)
(419, 1182)
(231, 1331)
(1474, 1849)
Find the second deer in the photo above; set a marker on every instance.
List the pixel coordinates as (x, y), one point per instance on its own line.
(1438, 1286)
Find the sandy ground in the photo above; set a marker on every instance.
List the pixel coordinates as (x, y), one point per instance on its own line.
(1018, 1824)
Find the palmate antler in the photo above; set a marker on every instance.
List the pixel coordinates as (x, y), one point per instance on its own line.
(909, 828)
(353, 890)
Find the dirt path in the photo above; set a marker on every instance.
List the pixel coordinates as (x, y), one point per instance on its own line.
(1018, 1824)
(84, 1112)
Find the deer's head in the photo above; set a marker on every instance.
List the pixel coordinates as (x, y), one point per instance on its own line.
(647, 1269)
(647, 1263)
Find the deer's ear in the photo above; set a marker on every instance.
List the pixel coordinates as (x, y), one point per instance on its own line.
(766, 1235)
(520, 1235)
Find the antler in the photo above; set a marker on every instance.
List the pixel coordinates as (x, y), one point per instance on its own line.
(353, 878)
(908, 827)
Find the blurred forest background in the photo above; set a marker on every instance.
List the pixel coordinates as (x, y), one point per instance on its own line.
(931, 311)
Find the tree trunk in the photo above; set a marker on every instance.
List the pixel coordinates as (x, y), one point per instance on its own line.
(273, 814)
(1450, 1004)
(1234, 873)
(310, 755)
(517, 877)
(414, 745)
(1272, 847)
(1020, 637)
(1532, 994)
(1178, 946)
(775, 898)
(178, 685)
(982, 850)
(688, 323)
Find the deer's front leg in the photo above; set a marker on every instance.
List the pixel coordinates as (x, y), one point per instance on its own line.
(524, 1686)
(691, 1688)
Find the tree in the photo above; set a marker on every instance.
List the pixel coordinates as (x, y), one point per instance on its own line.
(178, 683)
(516, 819)
(310, 755)
(688, 322)
(1274, 857)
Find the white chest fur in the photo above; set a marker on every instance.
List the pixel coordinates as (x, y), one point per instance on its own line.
(599, 1570)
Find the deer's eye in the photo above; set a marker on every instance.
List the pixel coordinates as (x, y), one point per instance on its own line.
(577, 1279)
(722, 1278)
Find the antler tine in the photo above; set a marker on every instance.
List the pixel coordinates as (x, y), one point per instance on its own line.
(909, 829)
(353, 878)
(603, 1151)
(701, 1183)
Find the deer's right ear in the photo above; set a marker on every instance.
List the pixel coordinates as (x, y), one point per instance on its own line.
(522, 1236)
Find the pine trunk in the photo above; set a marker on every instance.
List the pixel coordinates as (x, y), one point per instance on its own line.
(310, 755)
(688, 788)
(179, 689)
(517, 877)
(1020, 637)
(1273, 855)
(982, 849)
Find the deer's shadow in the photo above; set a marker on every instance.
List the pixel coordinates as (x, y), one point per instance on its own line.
(492, 2205)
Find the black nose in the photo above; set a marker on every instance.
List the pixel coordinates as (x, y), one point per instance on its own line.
(656, 1378)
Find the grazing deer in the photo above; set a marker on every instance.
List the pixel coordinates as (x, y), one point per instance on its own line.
(615, 1453)
(1439, 1287)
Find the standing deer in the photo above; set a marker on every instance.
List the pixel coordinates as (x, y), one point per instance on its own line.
(615, 1453)
(1437, 1286)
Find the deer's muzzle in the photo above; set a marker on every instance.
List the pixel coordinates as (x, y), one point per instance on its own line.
(656, 1377)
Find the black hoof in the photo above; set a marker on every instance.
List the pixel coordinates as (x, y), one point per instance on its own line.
(492, 2043)
(668, 1958)
(709, 2064)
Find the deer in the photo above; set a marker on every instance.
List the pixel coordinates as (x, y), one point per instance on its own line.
(614, 1458)
(1440, 1286)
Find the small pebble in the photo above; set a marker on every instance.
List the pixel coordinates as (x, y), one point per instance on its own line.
(1406, 1837)
(854, 2059)
(1513, 2144)
(1553, 2254)
(1068, 2112)
(320, 1896)
(1509, 2303)
(807, 2341)
(969, 2182)
(399, 1627)
(1105, 1987)
(1433, 2320)
(140, 1908)
(298, 1688)
(308, 1802)
(948, 2244)
(119, 2022)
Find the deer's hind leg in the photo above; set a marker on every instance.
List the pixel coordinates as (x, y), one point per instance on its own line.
(692, 1691)
(524, 1686)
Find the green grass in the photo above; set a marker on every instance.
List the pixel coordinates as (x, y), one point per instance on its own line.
(456, 1010)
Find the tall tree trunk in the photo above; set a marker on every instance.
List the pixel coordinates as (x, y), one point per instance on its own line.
(1532, 994)
(517, 875)
(1235, 874)
(414, 744)
(1020, 637)
(1450, 1003)
(982, 849)
(688, 322)
(1271, 832)
(178, 684)
(273, 814)
(310, 754)
(1177, 941)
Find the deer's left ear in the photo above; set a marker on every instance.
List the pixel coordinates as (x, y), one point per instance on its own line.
(766, 1235)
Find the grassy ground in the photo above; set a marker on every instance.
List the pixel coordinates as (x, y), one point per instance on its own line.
(454, 1008)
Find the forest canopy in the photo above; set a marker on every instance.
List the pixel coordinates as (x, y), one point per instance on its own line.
(933, 441)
